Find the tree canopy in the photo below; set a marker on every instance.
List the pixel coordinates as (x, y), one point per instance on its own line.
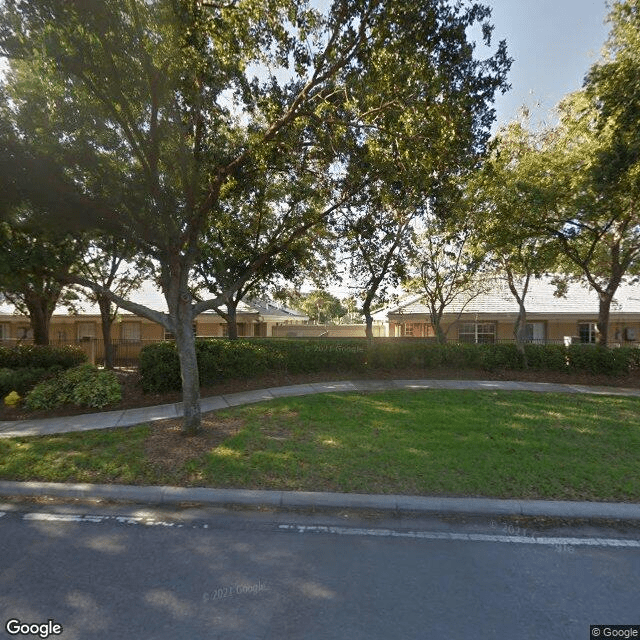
(156, 112)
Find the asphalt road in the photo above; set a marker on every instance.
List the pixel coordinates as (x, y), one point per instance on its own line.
(124, 573)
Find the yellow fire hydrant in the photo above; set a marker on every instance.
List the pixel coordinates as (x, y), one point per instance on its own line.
(12, 399)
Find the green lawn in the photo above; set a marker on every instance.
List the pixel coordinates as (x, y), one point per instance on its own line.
(499, 444)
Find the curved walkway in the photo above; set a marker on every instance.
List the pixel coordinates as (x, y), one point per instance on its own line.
(131, 417)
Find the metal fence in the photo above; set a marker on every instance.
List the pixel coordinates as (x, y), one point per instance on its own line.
(125, 352)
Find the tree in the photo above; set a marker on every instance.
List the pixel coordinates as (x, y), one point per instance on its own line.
(580, 179)
(447, 268)
(589, 207)
(28, 280)
(504, 225)
(377, 247)
(110, 263)
(255, 214)
(320, 306)
(171, 110)
(410, 153)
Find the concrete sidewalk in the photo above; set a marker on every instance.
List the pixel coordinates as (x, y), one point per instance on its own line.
(131, 417)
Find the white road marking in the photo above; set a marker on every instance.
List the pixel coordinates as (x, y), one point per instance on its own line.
(468, 537)
(2, 513)
(63, 517)
(351, 531)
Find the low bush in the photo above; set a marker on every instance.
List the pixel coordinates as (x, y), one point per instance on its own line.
(84, 386)
(546, 357)
(33, 356)
(159, 367)
(23, 379)
(220, 359)
(599, 360)
(501, 356)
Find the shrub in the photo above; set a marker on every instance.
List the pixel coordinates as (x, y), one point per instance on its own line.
(599, 360)
(547, 357)
(159, 367)
(23, 380)
(12, 399)
(462, 356)
(83, 386)
(223, 359)
(501, 356)
(220, 359)
(33, 356)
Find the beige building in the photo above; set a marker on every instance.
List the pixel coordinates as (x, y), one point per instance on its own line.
(130, 332)
(491, 317)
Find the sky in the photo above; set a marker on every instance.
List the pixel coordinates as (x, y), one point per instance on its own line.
(553, 43)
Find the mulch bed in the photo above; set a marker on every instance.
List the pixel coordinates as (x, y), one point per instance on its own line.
(133, 396)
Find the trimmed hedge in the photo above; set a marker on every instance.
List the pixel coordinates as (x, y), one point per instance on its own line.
(33, 356)
(222, 359)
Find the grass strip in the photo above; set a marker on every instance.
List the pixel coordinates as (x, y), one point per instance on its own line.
(431, 442)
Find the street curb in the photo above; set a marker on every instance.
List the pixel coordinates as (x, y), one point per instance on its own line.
(166, 495)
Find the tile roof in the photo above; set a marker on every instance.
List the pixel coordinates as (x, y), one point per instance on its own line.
(540, 299)
(150, 296)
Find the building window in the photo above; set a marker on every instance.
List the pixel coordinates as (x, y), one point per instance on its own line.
(416, 330)
(587, 332)
(535, 332)
(130, 331)
(25, 332)
(476, 333)
(4, 331)
(86, 330)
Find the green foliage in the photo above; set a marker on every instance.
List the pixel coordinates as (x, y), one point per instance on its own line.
(159, 367)
(220, 359)
(33, 356)
(320, 306)
(599, 360)
(84, 386)
(501, 356)
(549, 357)
(159, 106)
(225, 359)
(23, 379)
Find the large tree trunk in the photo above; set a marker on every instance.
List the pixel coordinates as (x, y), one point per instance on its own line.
(40, 313)
(186, 345)
(105, 316)
(520, 332)
(435, 316)
(368, 318)
(603, 317)
(231, 319)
